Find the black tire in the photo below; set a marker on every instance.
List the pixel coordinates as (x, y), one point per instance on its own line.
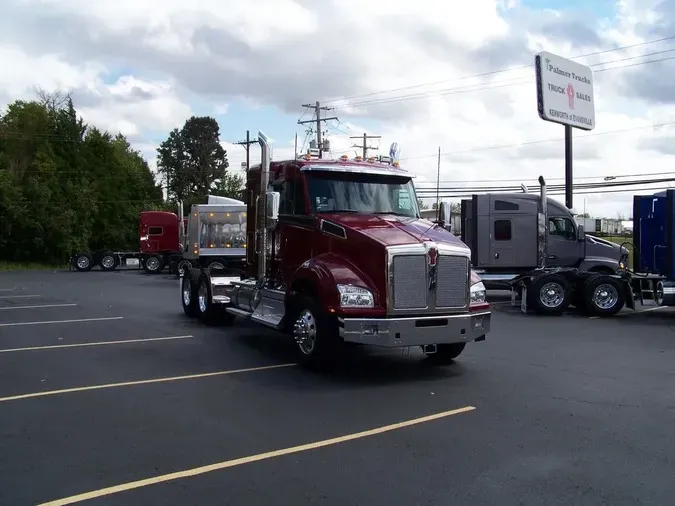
(316, 334)
(207, 311)
(153, 264)
(108, 261)
(83, 262)
(188, 292)
(611, 295)
(446, 353)
(559, 292)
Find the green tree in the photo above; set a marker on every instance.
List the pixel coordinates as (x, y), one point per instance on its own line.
(193, 162)
(65, 186)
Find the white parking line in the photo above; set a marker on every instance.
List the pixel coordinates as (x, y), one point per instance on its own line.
(19, 296)
(97, 343)
(36, 307)
(62, 321)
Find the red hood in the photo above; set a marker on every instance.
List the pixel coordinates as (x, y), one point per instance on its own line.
(391, 230)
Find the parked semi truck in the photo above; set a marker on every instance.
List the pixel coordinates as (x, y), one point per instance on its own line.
(160, 235)
(552, 290)
(337, 254)
(218, 233)
(501, 230)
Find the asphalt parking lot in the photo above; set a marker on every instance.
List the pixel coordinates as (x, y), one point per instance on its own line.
(109, 395)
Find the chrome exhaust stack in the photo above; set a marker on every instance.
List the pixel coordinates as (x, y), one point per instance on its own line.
(261, 218)
(542, 233)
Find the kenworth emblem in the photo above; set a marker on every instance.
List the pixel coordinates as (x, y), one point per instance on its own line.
(432, 256)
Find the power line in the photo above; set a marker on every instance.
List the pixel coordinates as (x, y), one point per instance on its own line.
(542, 141)
(500, 71)
(547, 179)
(498, 84)
(431, 192)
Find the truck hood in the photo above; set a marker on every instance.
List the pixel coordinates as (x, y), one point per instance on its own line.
(600, 242)
(392, 230)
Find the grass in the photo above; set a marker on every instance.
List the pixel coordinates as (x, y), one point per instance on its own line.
(628, 244)
(6, 266)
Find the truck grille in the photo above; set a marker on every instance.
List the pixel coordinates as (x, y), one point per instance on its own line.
(410, 282)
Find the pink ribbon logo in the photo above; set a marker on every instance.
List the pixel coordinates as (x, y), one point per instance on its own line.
(570, 95)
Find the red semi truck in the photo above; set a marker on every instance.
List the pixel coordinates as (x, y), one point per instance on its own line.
(160, 237)
(337, 253)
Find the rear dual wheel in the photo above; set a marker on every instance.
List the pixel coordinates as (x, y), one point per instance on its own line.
(598, 295)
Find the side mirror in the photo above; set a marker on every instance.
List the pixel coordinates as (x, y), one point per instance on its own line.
(272, 208)
(581, 234)
(444, 214)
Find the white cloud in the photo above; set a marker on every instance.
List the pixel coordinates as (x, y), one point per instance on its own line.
(284, 53)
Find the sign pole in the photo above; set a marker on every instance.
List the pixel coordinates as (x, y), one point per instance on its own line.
(569, 166)
(565, 96)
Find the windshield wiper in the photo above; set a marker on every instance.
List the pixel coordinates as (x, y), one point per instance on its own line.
(341, 211)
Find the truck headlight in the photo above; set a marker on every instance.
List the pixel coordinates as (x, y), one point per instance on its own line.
(355, 296)
(478, 295)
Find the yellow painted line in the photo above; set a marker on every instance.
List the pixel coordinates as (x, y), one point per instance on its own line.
(7, 308)
(139, 382)
(98, 343)
(47, 322)
(253, 458)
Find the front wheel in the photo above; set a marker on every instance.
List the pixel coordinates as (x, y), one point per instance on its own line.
(315, 334)
(446, 353)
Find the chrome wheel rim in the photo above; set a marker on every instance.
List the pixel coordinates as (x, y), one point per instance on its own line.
(605, 296)
(83, 262)
(152, 264)
(187, 296)
(108, 261)
(202, 297)
(305, 332)
(552, 294)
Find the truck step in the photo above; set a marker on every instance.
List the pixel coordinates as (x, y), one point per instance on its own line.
(268, 320)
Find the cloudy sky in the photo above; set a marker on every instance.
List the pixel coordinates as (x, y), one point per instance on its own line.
(453, 74)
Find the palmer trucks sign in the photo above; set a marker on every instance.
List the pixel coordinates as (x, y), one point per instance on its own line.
(565, 91)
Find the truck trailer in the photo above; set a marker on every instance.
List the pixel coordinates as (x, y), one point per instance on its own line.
(552, 290)
(338, 255)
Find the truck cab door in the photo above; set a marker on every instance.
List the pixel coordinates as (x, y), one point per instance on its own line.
(293, 246)
(512, 233)
(564, 250)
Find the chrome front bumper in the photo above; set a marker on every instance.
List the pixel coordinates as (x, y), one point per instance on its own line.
(400, 332)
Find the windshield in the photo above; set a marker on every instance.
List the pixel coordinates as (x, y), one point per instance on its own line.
(333, 192)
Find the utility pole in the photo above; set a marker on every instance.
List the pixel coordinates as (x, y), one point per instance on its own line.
(247, 145)
(438, 185)
(317, 111)
(365, 146)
